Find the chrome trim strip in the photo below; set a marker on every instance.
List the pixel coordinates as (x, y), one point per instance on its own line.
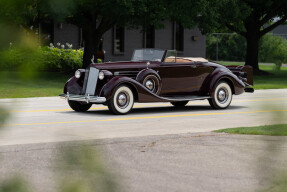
(125, 73)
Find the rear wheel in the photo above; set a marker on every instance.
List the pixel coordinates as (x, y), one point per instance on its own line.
(222, 96)
(79, 106)
(179, 103)
(122, 101)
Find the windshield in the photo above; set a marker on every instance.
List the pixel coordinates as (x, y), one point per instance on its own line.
(148, 55)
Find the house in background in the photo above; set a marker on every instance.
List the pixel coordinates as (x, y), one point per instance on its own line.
(119, 42)
(281, 30)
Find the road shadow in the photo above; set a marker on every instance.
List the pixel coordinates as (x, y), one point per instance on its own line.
(158, 110)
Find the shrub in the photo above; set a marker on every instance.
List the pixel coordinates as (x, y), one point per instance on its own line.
(273, 49)
(64, 60)
(43, 58)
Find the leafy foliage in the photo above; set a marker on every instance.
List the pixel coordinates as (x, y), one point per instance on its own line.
(44, 59)
(252, 19)
(273, 49)
(230, 47)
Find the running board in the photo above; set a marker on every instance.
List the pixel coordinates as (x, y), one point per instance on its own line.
(184, 98)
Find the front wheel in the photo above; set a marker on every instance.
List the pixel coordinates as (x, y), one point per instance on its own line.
(221, 97)
(79, 106)
(122, 101)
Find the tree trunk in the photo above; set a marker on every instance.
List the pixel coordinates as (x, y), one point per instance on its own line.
(252, 39)
(91, 47)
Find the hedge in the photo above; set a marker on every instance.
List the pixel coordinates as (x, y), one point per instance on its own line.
(48, 58)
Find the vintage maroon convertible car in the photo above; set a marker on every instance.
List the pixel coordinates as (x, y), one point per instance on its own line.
(156, 76)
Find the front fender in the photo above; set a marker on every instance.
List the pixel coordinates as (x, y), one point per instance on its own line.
(73, 86)
(142, 94)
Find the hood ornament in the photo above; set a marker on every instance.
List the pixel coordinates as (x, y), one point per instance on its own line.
(147, 64)
(92, 60)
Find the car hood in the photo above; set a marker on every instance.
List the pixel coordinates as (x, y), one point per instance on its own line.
(121, 65)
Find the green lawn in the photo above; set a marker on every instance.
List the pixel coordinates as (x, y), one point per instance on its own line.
(43, 84)
(274, 130)
(278, 79)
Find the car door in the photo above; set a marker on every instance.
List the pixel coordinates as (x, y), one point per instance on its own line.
(182, 78)
(178, 79)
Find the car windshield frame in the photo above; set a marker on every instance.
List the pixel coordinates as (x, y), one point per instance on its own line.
(148, 55)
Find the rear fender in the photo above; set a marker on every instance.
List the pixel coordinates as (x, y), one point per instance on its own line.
(235, 83)
(243, 72)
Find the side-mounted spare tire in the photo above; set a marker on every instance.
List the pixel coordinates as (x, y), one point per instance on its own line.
(152, 83)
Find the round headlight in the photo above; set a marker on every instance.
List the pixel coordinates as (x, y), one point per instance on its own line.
(77, 74)
(101, 75)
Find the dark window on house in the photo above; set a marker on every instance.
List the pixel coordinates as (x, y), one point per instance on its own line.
(178, 37)
(149, 37)
(119, 40)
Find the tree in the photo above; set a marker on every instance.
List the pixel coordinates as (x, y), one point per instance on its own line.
(96, 17)
(252, 19)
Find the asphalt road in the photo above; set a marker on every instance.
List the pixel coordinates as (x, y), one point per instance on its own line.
(37, 120)
(154, 148)
(197, 162)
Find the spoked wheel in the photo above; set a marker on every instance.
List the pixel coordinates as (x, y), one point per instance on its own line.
(79, 106)
(151, 82)
(222, 96)
(122, 101)
(179, 103)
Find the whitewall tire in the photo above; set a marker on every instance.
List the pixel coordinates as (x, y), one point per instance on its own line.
(222, 96)
(122, 100)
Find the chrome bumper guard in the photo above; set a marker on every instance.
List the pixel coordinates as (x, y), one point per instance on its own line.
(83, 98)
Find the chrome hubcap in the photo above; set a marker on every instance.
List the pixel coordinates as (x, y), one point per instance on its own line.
(123, 100)
(149, 84)
(222, 95)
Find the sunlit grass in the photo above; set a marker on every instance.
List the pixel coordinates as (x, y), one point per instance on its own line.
(42, 84)
(274, 130)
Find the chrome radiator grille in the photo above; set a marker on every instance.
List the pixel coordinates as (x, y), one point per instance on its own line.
(90, 81)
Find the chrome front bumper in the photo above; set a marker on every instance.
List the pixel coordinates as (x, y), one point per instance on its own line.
(83, 98)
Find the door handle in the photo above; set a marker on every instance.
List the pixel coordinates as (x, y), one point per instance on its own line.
(193, 66)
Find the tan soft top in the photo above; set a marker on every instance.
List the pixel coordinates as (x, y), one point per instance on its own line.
(185, 59)
(200, 59)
